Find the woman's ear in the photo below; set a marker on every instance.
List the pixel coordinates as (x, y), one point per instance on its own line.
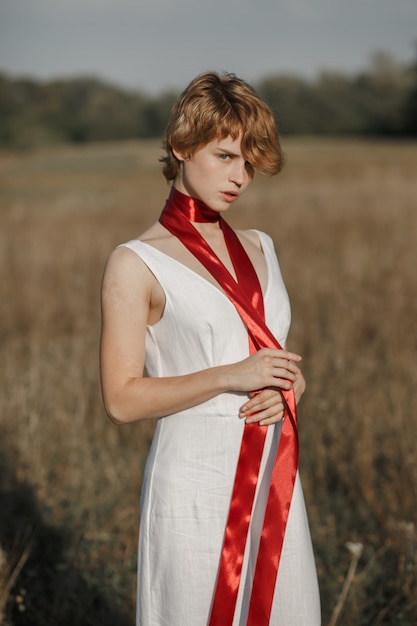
(180, 156)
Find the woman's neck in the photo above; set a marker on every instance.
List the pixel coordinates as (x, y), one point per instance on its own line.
(195, 210)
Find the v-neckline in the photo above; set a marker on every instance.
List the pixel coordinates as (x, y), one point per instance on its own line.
(202, 278)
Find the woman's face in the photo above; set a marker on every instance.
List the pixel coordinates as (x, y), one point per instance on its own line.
(216, 174)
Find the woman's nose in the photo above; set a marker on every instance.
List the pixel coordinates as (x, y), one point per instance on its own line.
(238, 173)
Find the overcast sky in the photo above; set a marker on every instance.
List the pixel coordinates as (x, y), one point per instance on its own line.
(153, 45)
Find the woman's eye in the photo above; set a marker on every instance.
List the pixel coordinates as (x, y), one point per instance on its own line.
(224, 157)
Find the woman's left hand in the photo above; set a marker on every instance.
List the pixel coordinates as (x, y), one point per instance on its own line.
(267, 406)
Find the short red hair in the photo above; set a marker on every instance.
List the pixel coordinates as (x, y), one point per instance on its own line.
(214, 106)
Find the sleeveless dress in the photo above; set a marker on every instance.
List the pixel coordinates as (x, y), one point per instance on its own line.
(191, 465)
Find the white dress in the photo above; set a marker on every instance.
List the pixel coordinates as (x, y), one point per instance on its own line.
(191, 465)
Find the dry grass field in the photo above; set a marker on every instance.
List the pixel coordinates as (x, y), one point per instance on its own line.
(343, 215)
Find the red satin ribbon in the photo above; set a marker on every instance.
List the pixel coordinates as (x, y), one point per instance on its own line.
(246, 295)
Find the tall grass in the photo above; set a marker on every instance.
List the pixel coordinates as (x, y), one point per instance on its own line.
(343, 216)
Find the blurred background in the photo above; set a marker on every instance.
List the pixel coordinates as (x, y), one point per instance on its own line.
(85, 92)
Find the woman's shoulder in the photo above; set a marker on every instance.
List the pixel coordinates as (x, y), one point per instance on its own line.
(257, 238)
(122, 255)
(156, 237)
(122, 266)
(125, 260)
(155, 234)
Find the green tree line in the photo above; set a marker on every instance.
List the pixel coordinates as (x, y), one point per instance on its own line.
(380, 101)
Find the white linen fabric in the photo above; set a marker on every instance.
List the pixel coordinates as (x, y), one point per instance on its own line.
(191, 466)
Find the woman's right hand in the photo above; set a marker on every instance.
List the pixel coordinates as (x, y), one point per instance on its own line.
(268, 367)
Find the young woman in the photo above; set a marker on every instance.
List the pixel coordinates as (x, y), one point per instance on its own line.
(224, 537)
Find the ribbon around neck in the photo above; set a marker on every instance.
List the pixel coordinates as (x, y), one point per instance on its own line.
(246, 294)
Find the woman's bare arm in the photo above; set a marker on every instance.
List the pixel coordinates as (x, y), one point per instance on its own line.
(130, 300)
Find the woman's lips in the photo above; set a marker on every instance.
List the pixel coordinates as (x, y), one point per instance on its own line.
(229, 196)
